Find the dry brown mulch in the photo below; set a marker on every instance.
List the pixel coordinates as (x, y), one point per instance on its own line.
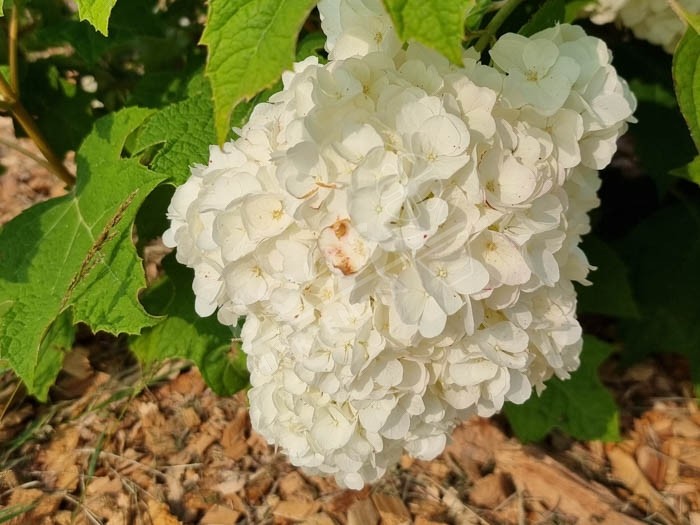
(120, 452)
(119, 445)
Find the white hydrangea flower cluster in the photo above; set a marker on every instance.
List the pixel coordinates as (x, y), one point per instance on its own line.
(402, 235)
(651, 20)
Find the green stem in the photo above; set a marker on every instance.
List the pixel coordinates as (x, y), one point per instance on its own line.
(496, 5)
(501, 15)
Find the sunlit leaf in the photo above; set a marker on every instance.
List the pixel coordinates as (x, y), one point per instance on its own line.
(74, 256)
(581, 406)
(436, 23)
(251, 42)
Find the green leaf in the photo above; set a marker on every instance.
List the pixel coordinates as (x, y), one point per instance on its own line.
(157, 90)
(574, 9)
(63, 110)
(686, 76)
(653, 93)
(551, 12)
(185, 130)
(652, 147)
(88, 43)
(152, 220)
(96, 12)
(610, 293)
(580, 406)
(251, 42)
(312, 45)
(57, 343)
(438, 24)
(5, 4)
(476, 14)
(140, 17)
(690, 171)
(162, 88)
(241, 113)
(663, 254)
(75, 253)
(183, 334)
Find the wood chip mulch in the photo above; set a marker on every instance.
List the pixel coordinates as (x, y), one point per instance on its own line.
(177, 453)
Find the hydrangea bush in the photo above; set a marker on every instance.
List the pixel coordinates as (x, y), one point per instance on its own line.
(401, 235)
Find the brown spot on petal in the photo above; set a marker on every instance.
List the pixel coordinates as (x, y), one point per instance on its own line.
(340, 260)
(344, 265)
(340, 228)
(342, 248)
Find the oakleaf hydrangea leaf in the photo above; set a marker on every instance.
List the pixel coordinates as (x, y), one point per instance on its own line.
(186, 129)
(66, 115)
(686, 75)
(580, 406)
(668, 302)
(551, 13)
(690, 171)
(611, 293)
(57, 343)
(436, 23)
(652, 147)
(243, 111)
(575, 9)
(476, 14)
(311, 45)
(653, 93)
(96, 12)
(250, 43)
(75, 253)
(184, 334)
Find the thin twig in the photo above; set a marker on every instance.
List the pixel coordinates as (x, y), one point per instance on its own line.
(152, 470)
(12, 47)
(27, 485)
(12, 103)
(19, 149)
(9, 401)
(104, 453)
(89, 513)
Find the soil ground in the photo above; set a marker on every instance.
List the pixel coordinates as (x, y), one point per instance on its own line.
(118, 445)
